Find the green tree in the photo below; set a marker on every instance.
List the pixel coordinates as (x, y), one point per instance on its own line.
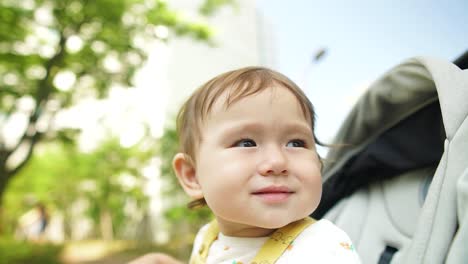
(109, 166)
(51, 177)
(60, 176)
(43, 41)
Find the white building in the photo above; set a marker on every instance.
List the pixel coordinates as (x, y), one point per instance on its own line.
(241, 39)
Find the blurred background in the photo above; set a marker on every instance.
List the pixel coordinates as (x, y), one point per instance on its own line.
(89, 91)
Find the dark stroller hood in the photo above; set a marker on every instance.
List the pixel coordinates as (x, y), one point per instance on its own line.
(397, 125)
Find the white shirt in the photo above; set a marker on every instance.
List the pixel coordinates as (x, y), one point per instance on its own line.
(321, 242)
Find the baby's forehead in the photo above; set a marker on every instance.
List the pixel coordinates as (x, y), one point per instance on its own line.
(272, 96)
(231, 96)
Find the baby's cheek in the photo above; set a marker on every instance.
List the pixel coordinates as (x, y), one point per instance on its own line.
(313, 182)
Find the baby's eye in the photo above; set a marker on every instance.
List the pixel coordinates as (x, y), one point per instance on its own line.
(296, 143)
(245, 143)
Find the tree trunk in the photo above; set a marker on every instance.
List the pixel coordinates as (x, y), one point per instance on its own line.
(67, 224)
(1, 219)
(3, 184)
(105, 222)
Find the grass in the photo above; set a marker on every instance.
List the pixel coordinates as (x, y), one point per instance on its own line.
(17, 252)
(84, 252)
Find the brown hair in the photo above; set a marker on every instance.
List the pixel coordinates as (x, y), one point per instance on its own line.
(238, 84)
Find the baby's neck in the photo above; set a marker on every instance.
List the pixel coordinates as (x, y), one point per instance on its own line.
(241, 230)
(251, 232)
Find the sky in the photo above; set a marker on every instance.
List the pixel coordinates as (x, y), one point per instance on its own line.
(363, 39)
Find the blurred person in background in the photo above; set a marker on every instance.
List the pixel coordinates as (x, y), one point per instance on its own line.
(33, 224)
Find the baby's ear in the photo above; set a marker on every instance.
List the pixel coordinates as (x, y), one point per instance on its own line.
(186, 174)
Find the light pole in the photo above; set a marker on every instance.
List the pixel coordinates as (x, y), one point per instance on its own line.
(315, 58)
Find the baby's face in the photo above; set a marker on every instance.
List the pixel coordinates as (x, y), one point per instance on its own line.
(257, 163)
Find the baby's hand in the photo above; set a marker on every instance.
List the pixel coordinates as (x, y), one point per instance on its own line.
(155, 258)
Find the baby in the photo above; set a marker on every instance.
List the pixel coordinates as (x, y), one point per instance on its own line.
(247, 151)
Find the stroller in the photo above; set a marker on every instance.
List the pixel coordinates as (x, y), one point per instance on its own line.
(396, 176)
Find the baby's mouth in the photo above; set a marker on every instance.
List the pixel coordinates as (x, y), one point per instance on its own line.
(273, 194)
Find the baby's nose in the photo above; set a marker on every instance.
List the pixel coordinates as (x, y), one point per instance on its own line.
(273, 162)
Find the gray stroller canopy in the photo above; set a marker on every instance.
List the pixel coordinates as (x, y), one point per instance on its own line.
(396, 178)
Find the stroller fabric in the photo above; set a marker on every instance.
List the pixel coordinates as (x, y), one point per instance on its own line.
(396, 176)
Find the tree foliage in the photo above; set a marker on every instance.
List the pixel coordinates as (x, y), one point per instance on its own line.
(52, 52)
(211, 6)
(107, 180)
